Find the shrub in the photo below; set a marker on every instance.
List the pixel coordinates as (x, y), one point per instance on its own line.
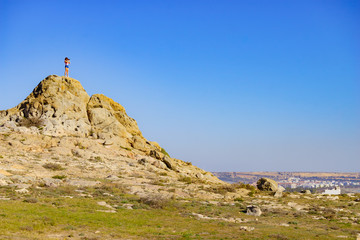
(96, 159)
(59, 177)
(246, 186)
(31, 200)
(126, 148)
(79, 145)
(155, 201)
(251, 193)
(26, 228)
(31, 122)
(53, 166)
(187, 180)
(164, 152)
(278, 237)
(223, 189)
(109, 187)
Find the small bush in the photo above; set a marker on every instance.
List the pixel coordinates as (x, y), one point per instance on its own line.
(246, 186)
(53, 166)
(154, 201)
(126, 148)
(96, 159)
(223, 189)
(31, 122)
(187, 180)
(278, 237)
(164, 152)
(61, 177)
(79, 145)
(27, 228)
(108, 187)
(31, 200)
(251, 194)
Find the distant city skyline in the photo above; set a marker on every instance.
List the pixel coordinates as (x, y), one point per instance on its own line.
(227, 85)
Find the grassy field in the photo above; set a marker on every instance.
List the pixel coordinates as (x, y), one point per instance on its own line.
(71, 213)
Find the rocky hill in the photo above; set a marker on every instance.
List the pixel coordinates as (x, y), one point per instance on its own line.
(77, 167)
(60, 135)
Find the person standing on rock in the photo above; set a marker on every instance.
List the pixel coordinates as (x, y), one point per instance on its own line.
(67, 62)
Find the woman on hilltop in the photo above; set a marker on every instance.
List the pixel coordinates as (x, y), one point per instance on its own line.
(67, 62)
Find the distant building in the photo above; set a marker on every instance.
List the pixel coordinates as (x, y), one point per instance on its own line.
(335, 191)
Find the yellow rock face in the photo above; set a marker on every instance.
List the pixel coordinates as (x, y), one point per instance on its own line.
(65, 109)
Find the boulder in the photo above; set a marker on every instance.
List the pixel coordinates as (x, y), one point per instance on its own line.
(267, 184)
(307, 191)
(253, 210)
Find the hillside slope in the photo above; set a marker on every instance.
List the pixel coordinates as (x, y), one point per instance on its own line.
(60, 135)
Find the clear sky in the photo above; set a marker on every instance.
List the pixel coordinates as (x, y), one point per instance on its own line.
(229, 85)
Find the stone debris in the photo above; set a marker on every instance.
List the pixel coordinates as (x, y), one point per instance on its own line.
(104, 204)
(232, 220)
(278, 194)
(332, 198)
(82, 182)
(296, 206)
(128, 206)
(284, 225)
(247, 228)
(22, 191)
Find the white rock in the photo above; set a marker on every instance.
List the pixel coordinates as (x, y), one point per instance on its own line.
(22, 190)
(247, 228)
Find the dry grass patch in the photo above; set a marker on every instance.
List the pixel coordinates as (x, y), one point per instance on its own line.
(53, 166)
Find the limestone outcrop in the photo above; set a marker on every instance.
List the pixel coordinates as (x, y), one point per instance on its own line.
(59, 106)
(267, 184)
(90, 137)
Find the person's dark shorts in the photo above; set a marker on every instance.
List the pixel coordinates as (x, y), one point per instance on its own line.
(66, 66)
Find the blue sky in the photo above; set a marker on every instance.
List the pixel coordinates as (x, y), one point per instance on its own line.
(228, 85)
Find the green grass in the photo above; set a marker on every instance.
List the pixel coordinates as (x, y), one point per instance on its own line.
(164, 152)
(46, 211)
(61, 177)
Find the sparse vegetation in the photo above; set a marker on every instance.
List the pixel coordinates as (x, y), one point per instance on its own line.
(79, 145)
(96, 159)
(155, 201)
(126, 148)
(53, 166)
(187, 180)
(164, 152)
(47, 211)
(61, 177)
(31, 200)
(31, 122)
